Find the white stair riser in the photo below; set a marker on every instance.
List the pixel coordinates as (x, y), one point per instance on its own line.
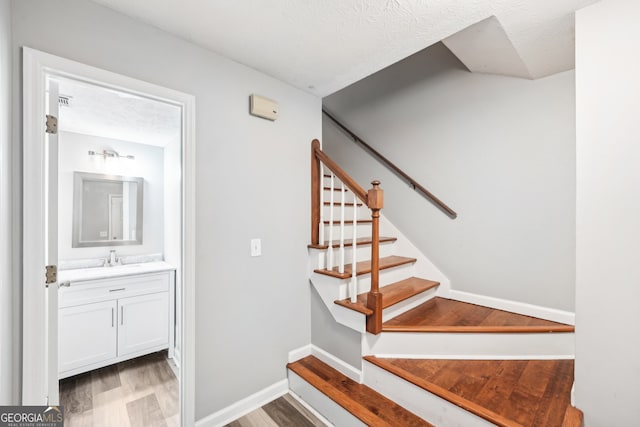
(363, 253)
(363, 212)
(408, 304)
(362, 230)
(337, 198)
(483, 346)
(426, 405)
(333, 412)
(387, 277)
(337, 287)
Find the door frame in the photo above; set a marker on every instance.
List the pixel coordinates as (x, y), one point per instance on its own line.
(37, 67)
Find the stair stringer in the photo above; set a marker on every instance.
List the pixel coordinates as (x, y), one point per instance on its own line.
(424, 267)
(331, 289)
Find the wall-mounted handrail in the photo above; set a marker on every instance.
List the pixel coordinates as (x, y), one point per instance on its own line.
(412, 182)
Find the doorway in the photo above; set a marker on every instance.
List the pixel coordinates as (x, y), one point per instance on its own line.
(123, 249)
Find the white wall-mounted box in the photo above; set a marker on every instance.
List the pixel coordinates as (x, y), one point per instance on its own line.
(263, 107)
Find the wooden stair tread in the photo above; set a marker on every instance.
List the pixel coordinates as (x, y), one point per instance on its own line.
(572, 417)
(349, 204)
(367, 405)
(445, 315)
(391, 294)
(504, 392)
(335, 189)
(364, 267)
(348, 221)
(360, 241)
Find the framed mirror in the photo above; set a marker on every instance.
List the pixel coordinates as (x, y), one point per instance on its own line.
(107, 210)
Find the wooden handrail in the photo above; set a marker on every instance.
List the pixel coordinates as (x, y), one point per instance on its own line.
(341, 175)
(374, 199)
(412, 182)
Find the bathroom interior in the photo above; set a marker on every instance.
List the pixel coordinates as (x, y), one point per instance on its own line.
(119, 256)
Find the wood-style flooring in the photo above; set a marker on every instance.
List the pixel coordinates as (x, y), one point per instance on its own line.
(140, 392)
(445, 315)
(505, 392)
(284, 411)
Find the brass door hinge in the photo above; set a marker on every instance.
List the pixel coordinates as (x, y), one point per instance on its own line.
(51, 274)
(52, 124)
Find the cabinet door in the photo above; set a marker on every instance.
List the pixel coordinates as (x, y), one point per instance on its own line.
(86, 334)
(143, 323)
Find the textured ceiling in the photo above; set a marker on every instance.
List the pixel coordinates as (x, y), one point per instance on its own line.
(322, 46)
(97, 111)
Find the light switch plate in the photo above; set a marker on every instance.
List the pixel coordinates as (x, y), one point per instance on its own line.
(256, 247)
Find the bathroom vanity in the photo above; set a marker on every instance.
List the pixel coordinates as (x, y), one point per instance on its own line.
(111, 314)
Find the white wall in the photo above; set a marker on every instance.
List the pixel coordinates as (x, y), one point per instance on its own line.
(250, 312)
(607, 373)
(7, 345)
(499, 150)
(331, 336)
(148, 164)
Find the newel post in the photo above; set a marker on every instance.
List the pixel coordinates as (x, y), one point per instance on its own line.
(315, 193)
(375, 202)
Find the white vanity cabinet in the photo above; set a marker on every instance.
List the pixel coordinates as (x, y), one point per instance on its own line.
(105, 321)
(143, 323)
(87, 335)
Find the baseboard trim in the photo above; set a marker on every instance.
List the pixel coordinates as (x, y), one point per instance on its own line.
(547, 313)
(477, 357)
(328, 358)
(244, 406)
(299, 353)
(337, 364)
(177, 357)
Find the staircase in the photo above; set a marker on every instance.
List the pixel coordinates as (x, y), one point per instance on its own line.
(427, 359)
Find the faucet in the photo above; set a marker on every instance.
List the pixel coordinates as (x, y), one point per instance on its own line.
(113, 260)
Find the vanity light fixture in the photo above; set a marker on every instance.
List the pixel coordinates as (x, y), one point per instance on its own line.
(111, 153)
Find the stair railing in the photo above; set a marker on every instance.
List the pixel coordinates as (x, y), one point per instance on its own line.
(373, 199)
(395, 169)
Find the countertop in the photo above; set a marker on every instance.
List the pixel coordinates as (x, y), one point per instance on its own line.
(93, 273)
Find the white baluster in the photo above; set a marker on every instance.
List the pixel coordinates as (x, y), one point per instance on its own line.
(331, 200)
(321, 256)
(354, 284)
(341, 265)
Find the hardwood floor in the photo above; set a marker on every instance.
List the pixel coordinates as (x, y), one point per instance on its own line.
(135, 393)
(505, 392)
(284, 411)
